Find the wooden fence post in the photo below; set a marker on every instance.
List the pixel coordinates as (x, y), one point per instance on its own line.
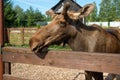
(22, 36)
(8, 32)
(1, 64)
(1, 38)
(7, 68)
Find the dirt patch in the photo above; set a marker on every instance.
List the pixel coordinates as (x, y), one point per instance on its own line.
(34, 72)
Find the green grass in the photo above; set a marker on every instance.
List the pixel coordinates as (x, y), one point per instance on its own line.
(56, 47)
(52, 47)
(17, 40)
(17, 45)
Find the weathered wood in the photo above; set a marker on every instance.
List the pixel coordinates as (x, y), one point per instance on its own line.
(1, 23)
(1, 37)
(22, 36)
(8, 33)
(66, 59)
(9, 77)
(25, 29)
(7, 67)
(1, 67)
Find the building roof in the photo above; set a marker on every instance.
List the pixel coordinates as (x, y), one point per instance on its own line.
(59, 6)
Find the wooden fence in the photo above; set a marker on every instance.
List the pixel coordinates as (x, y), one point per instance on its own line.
(100, 62)
(20, 36)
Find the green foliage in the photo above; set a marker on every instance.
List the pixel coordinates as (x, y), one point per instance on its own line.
(109, 10)
(117, 9)
(38, 26)
(104, 10)
(56, 47)
(33, 16)
(38, 16)
(30, 16)
(52, 47)
(9, 13)
(18, 17)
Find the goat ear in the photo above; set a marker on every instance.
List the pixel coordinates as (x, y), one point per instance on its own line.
(86, 10)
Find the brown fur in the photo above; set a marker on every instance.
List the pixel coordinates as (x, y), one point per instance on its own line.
(78, 36)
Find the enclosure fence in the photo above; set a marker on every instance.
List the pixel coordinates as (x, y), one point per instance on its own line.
(20, 36)
(100, 62)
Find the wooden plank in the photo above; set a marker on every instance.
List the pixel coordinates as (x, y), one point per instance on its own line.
(15, 29)
(7, 67)
(24, 28)
(66, 59)
(9, 77)
(8, 33)
(1, 67)
(22, 36)
(1, 37)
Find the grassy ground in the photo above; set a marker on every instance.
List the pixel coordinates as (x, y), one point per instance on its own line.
(16, 39)
(55, 47)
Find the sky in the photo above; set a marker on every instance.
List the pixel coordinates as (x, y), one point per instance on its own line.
(44, 5)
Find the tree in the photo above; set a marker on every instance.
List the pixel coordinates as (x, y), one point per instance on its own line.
(38, 16)
(20, 16)
(30, 16)
(108, 10)
(34, 16)
(93, 16)
(9, 13)
(117, 9)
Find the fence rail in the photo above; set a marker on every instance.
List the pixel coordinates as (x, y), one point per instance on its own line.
(100, 62)
(23, 35)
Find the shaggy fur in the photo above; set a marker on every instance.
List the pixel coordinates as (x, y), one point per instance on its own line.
(78, 36)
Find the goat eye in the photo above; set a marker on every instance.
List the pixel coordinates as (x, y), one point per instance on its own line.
(62, 23)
